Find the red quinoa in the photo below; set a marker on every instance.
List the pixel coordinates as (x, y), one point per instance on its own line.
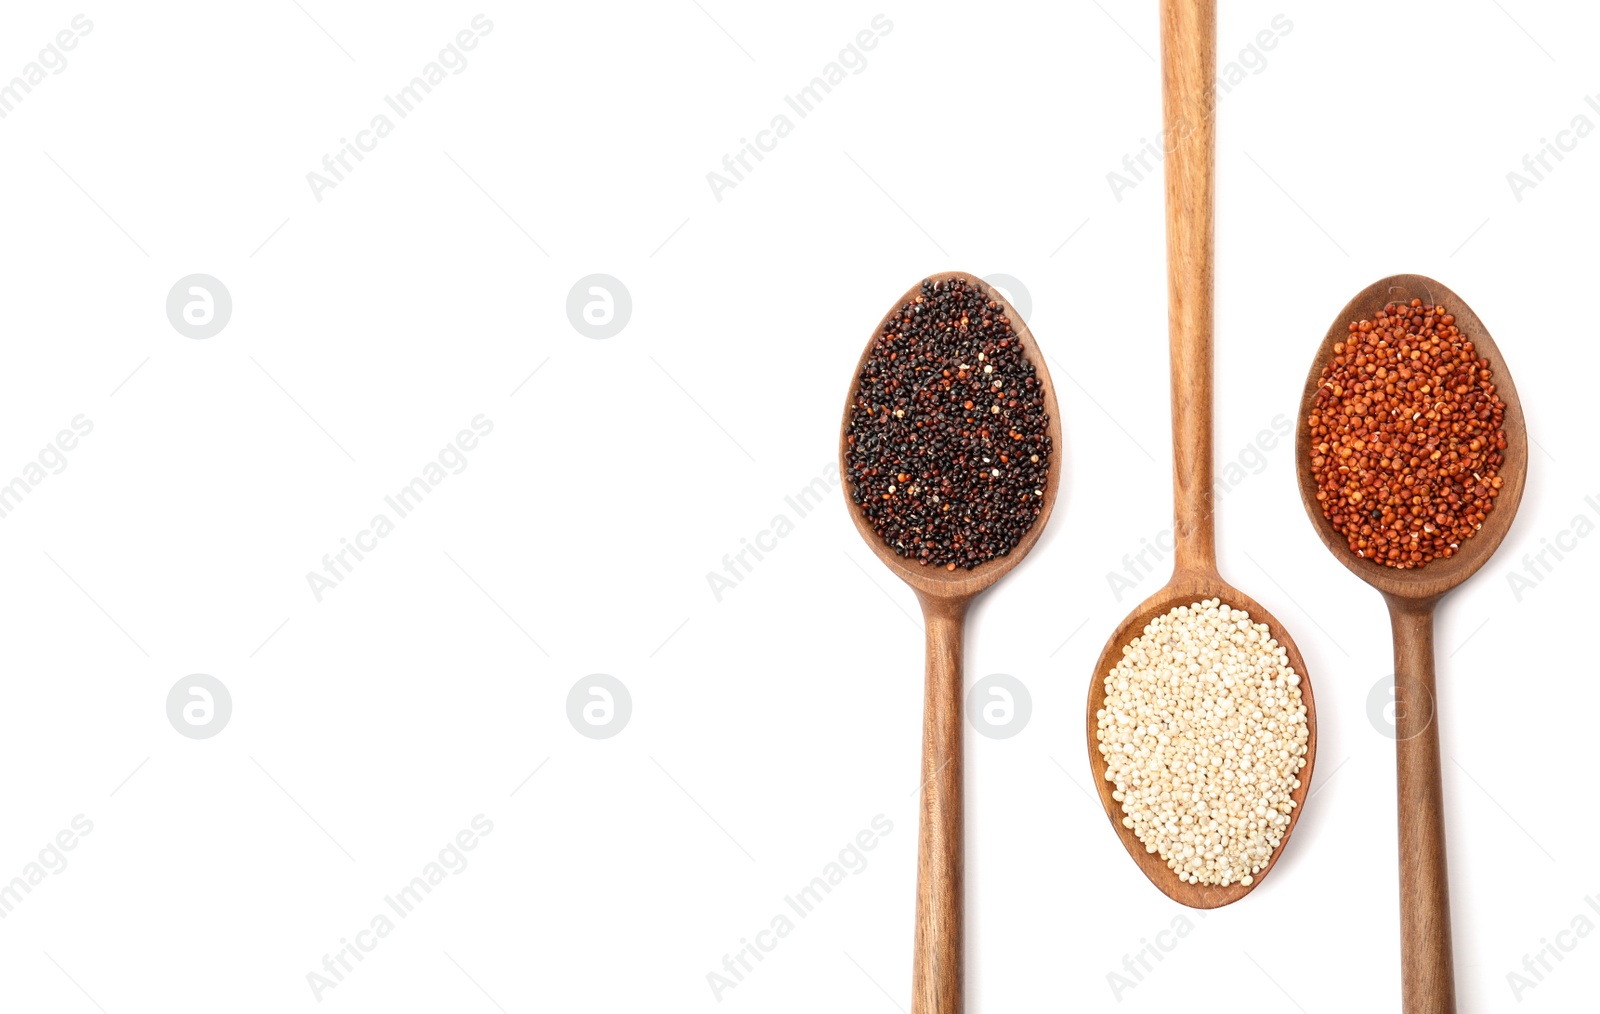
(1406, 436)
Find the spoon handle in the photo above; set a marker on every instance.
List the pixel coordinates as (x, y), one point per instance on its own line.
(1188, 92)
(936, 977)
(1427, 966)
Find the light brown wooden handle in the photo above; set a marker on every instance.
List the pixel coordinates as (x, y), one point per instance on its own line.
(1427, 965)
(936, 977)
(1188, 94)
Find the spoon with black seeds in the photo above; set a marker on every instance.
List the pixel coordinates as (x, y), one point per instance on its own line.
(950, 447)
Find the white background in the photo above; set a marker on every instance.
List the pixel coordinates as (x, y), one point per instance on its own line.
(769, 728)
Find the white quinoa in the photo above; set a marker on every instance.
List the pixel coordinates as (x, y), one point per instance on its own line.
(1204, 733)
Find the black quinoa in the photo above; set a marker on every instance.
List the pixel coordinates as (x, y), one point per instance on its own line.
(948, 444)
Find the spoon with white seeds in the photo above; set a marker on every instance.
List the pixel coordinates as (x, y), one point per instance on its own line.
(1202, 730)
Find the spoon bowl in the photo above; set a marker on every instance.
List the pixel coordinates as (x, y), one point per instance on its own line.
(1437, 576)
(937, 962)
(1427, 962)
(1186, 588)
(937, 582)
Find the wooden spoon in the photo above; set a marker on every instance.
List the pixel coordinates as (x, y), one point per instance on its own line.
(1188, 64)
(1426, 964)
(936, 979)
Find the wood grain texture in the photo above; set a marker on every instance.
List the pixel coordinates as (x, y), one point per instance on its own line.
(1427, 961)
(938, 953)
(937, 980)
(1188, 94)
(1188, 61)
(1427, 958)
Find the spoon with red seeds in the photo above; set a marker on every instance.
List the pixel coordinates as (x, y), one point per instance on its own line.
(1488, 440)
